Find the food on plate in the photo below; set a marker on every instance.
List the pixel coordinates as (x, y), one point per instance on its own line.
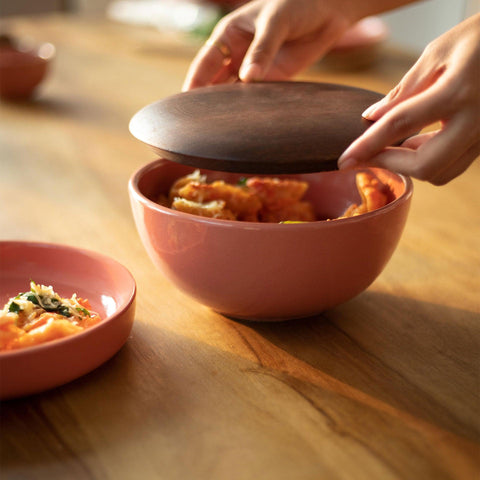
(41, 315)
(263, 199)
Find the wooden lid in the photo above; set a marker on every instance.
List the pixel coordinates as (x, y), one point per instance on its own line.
(271, 127)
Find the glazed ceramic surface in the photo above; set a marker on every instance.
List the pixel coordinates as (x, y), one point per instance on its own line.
(264, 271)
(108, 286)
(22, 70)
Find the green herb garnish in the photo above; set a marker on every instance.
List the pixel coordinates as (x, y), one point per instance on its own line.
(64, 310)
(31, 298)
(242, 181)
(14, 307)
(84, 311)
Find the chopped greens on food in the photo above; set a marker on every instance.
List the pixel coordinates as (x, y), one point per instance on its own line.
(40, 315)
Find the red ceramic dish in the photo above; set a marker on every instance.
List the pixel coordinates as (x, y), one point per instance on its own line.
(109, 287)
(359, 47)
(23, 69)
(365, 33)
(261, 271)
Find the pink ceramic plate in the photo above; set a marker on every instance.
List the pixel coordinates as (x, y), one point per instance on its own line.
(109, 287)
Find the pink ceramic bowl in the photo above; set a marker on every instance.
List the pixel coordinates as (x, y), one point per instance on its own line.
(359, 47)
(22, 68)
(260, 271)
(108, 286)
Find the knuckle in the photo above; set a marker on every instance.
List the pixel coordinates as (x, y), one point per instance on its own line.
(455, 94)
(430, 51)
(400, 125)
(395, 92)
(222, 26)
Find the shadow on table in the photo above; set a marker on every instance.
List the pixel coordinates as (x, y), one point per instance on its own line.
(413, 369)
(63, 107)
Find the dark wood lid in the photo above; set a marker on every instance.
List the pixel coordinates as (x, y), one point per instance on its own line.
(271, 127)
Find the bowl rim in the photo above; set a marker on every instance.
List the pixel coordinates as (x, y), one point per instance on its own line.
(119, 312)
(30, 54)
(133, 186)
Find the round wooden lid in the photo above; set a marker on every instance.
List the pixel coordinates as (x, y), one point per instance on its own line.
(271, 127)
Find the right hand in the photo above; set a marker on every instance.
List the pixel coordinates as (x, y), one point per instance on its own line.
(443, 87)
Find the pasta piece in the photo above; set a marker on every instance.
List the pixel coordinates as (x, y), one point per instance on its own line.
(242, 203)
(195, 176)
(274, 193)
(264, 199)
(373, 192)
(213, 209)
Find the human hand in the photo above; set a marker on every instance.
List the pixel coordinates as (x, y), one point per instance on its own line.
(443, 86)
(269, 40)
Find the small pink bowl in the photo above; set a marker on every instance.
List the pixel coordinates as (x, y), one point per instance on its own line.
(108, 286)
(23, 68)
(261, 271)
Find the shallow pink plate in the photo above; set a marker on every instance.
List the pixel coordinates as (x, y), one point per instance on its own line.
(108, 286)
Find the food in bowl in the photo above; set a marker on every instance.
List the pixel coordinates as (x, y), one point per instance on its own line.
(41, 315)
(271, 271)
(252, 200)
(264, 199)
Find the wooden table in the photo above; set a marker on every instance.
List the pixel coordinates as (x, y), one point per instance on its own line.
(383, 387)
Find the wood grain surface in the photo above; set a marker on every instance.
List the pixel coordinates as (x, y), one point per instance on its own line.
(383, 387)
(271, 127)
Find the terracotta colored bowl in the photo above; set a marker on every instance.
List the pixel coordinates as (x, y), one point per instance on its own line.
(22, 69)
(359, 47)
(260, 271)
(108, 286)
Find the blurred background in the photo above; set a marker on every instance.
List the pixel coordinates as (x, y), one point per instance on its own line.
(410, 27)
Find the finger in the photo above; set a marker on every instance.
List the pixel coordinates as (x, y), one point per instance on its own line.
(419, 78)
(305, 51)
(457, 167)
(443, 150)
(417, 141)
(436, 157)
(225, 74)
(404, 120)
(210, 63)
(406, 161)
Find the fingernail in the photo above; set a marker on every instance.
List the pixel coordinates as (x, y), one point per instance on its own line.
(346, 163)
(250, 73)
(368, 112)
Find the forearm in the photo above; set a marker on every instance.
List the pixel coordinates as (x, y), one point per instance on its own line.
(358, 9)
(272, 40)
